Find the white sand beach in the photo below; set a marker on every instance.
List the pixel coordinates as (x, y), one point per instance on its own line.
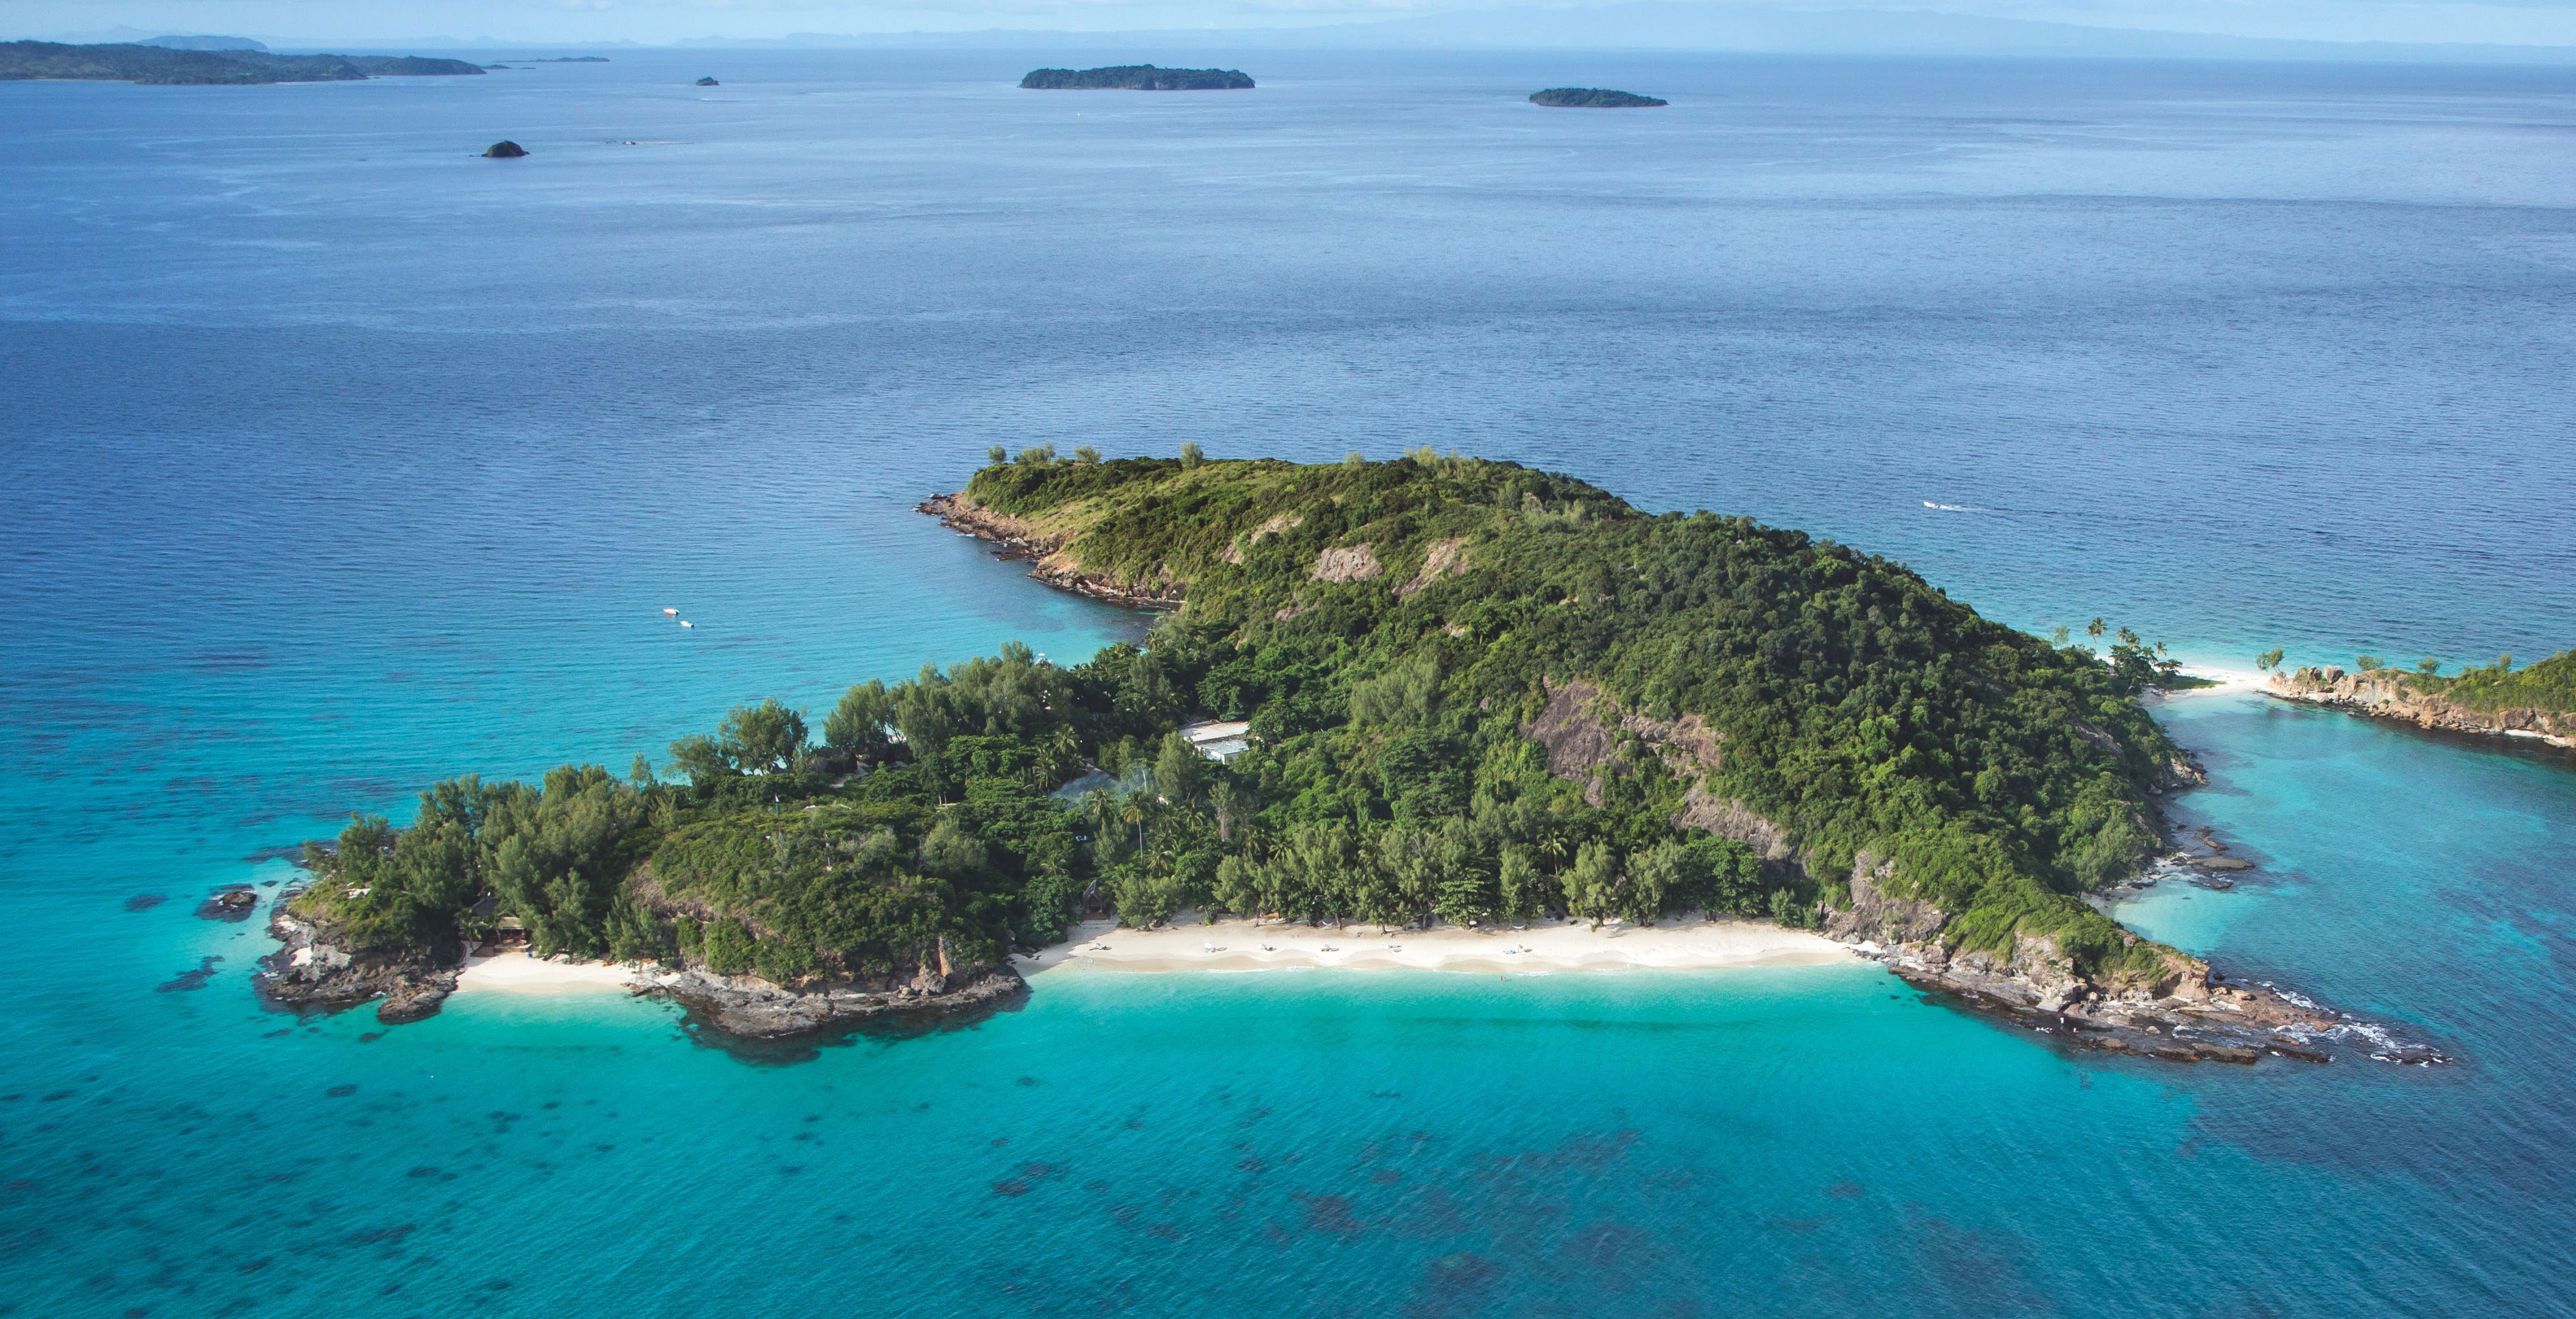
(512, 971)
(1541, 949)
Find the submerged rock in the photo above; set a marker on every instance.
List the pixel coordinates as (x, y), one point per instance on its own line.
(505, 149)
(233, 902)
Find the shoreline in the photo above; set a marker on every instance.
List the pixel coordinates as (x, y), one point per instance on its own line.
(1541, 947)
(513, 971)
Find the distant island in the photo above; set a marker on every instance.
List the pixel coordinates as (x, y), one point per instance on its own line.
(1136, 78)
(708, 82)
(1592, 98)
(166, 66)
(1431, 692)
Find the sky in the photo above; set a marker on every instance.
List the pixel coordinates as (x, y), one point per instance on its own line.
(297, 22)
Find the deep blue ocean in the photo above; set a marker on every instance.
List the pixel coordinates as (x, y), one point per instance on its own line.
(334, 459)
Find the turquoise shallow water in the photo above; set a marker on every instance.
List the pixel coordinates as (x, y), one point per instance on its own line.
(336, 461)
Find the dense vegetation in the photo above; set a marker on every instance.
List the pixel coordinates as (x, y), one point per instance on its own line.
(1593, 98)
(2548, 685)
(1476, 693)
(21, 60)
(1136, 78)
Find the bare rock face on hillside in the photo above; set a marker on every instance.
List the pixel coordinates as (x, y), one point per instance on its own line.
(1349, 563)
(1446, 557)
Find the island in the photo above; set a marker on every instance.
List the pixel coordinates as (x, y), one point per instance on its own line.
(505, 149)
(230, 66)
(1136, 78)
(1444, 694)
(1592, 98)
(2497, 700)
(708, 82)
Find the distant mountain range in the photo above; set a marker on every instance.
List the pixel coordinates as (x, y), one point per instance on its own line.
(1684, 25)
(1674, 25)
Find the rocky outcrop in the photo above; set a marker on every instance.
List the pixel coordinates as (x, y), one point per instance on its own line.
(504, 149)
(2179, 1010)
(748, 1007)
(232, 902)
(1049, 561)
(1444, 558)
(1347, 563)
(2388, 694)
(311, 973)
(1729, 817)
(1582, 728)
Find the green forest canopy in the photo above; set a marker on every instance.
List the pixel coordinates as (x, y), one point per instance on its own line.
(1395, 632)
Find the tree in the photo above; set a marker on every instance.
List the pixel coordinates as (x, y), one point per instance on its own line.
(1191, 454)
(2369, 663)
(1520, 882)
(2096, 628)
(564, 856)
(2429, 667)
(2269, 659)
(1086, 455)
(863, 723)
(1592, 886)
(952, 853)
(763, 739)
(1653, 874)
(997, 455)
(1238, 885)
(1179, 770)
(2057, 636)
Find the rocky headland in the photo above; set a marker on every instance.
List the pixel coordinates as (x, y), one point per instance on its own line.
(1015, 538)
(2435, 704)
(312, 971)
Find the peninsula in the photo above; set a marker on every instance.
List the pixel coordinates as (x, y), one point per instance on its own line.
(2498, 700)
(1476, 701)
(1593, 98)
(166, 66)
(1136, 78)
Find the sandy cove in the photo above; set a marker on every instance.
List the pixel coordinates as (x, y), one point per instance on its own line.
(1545, 947)
(514, 972)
